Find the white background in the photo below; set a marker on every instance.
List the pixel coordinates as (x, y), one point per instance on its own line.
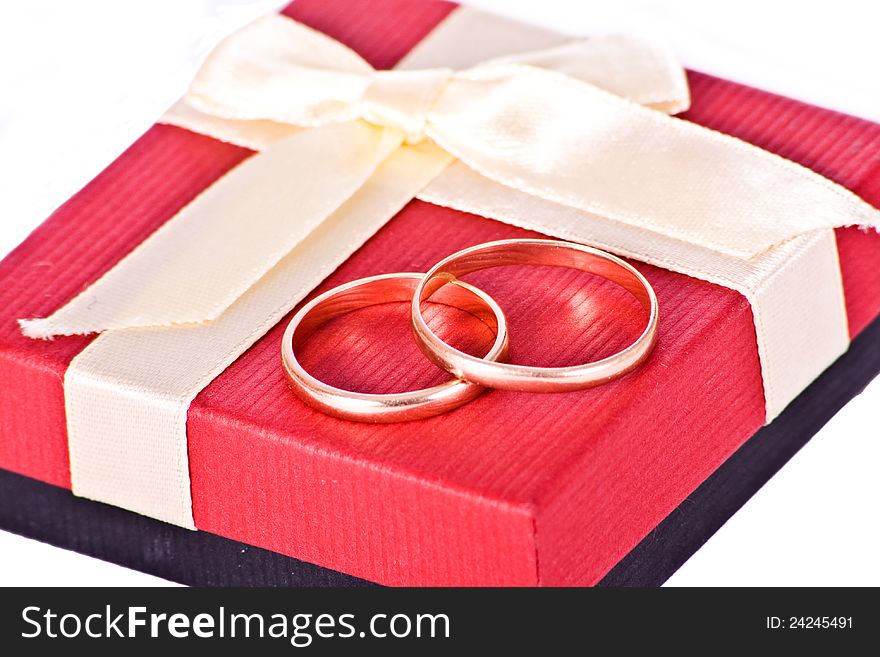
(80, 81)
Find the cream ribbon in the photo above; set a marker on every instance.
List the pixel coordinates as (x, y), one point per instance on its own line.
(567, 140)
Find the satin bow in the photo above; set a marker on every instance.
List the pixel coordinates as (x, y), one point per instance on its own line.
(577, 125)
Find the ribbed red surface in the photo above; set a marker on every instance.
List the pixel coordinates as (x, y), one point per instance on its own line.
(511, 489)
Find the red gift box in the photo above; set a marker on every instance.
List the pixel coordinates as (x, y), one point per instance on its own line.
(512, 489)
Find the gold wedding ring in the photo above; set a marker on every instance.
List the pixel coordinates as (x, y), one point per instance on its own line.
(526, 378)
(396, 407)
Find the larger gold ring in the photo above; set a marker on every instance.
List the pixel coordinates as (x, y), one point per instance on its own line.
(507, 376)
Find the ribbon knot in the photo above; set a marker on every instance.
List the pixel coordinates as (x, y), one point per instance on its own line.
(402, 99)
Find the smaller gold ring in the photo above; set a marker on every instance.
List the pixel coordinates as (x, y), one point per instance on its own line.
(396, 407)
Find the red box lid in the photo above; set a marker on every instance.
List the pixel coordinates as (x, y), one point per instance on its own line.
(512, 489)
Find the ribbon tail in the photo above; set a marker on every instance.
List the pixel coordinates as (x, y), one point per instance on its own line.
(600, 153)
(217, 247)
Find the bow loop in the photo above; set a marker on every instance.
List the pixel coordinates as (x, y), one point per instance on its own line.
(403, 99)
(283, 72)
